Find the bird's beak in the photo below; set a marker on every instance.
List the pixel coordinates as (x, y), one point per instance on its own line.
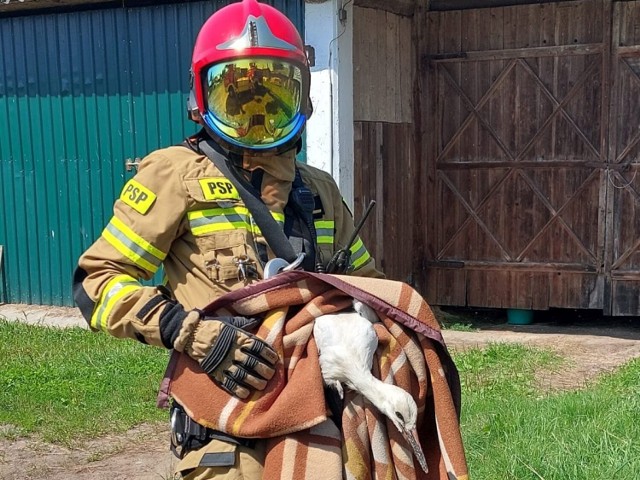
(411, 436)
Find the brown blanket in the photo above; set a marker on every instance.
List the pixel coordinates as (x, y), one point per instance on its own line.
(292, 412)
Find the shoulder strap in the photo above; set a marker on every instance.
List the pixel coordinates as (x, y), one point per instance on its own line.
(270, 229)
(303, 202)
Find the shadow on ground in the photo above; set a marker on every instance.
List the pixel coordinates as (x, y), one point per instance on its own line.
(560, 321)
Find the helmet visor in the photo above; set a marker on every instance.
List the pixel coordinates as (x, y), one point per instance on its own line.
(254, 102)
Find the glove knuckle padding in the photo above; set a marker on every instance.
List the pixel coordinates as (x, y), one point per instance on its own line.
(255, 366)
(245, 377)
(233, 387)
(249, 362)
(236, 373)
(261, 350)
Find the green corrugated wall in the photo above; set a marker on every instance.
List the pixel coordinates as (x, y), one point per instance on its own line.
(80, 93)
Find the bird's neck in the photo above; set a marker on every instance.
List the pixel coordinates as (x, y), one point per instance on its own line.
(370, 387)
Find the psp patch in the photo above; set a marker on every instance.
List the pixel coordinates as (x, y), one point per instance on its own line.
(218, 188)
(137, 196)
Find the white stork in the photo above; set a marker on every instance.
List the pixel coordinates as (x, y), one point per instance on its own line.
(346, 343)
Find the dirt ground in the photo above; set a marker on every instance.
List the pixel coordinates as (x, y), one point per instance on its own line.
(591, 344)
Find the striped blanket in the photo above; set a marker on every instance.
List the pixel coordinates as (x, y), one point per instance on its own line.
(292, 412)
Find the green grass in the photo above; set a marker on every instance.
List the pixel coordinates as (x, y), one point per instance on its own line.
(512, 430)
(67, 385)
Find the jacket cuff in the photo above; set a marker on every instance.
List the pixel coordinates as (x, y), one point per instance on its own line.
(171, 322)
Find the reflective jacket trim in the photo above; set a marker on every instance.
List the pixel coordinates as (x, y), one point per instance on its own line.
(204, 222)
(133, 246)
(116, 288)
(325, 231)
(359, 254)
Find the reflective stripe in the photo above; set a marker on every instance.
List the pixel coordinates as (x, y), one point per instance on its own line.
(115, 289)
(359, 254)
(203, 222)
(133, 246)
(325, 231)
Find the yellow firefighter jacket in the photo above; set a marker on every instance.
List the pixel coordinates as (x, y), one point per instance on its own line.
(180, 213)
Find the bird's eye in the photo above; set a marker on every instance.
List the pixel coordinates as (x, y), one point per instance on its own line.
(400, 417)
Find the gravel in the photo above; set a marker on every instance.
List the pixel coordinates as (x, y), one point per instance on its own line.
(63, 317)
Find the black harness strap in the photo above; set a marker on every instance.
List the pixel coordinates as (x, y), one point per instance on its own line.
(270, 229)
(303, 202)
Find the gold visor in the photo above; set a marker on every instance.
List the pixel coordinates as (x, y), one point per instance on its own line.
(254, 102)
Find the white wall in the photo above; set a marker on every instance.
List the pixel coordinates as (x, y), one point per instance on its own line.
(330, 129)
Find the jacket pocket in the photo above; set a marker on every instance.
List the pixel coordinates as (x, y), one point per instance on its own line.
(223, 254)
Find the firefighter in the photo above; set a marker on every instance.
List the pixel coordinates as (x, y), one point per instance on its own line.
(181, 212)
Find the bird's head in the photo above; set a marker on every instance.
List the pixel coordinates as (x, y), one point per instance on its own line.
(401, 408)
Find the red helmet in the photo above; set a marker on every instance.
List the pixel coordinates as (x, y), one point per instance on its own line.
(251, 78)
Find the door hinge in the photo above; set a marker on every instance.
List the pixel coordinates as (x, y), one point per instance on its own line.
(131, 164)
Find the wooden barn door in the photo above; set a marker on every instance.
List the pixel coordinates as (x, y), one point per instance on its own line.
(623, 206)
(514, 156)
